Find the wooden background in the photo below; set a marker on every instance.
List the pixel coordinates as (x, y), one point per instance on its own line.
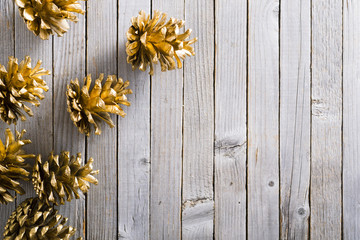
(256, 138)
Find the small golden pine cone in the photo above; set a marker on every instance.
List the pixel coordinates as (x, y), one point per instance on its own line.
(46, 17)
(60, 177)
(12, 165)
(34, 219)
(91, 107)
(20, 84)
(153, 40)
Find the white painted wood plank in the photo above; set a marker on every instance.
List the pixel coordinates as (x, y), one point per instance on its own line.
(351, 121)
(133, 138)
(39, 128)
(230, 119)
(69, 63)
(166, 142)
(326, 152)
(263, 120)
(295, 33)
(7, 26)
(198, 152)
(102, 58)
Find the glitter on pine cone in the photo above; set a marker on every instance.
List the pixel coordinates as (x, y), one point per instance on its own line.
(88, 107)
(153, 40)
(60, 177)
(34, 219)
(20, 84)
(46, 17)
(12, 165)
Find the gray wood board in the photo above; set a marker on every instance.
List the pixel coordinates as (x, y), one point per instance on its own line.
(66, 135)
(230, 119)
(7, 48)
(295, 112)
(263, 120)
(326, 108)
(351, 121)
(166, 143)
(133, 139)
(198, 133)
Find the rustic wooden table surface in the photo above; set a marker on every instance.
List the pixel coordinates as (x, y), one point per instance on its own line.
(257, 137)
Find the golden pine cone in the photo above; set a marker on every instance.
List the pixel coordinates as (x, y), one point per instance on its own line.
(153, 40)
(20, 84)
(90, 107)
(35, 220)
(12, 165)
(44, 17)
(62, 176)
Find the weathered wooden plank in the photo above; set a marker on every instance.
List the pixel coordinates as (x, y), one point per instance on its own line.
(166, 142)
(230, 119)
(263, 120)
(198, 156)
(133, 139)
(295, 118)
(351, 119)
(102, 58)
(39, 128)
(7, 27)
(326, 152)
(69, 63)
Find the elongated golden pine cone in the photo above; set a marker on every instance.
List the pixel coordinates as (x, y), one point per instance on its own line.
(35, 220)
(46, 17)
(20, 84)
(12, 165)
(153, 40)
(60, 177)
(88, 107)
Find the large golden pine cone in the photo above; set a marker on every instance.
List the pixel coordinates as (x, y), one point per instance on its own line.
(44, 17)
(20, 84)
(35, 220)
(12, 165)
(88, 107)
(153, 40)
(60, 177)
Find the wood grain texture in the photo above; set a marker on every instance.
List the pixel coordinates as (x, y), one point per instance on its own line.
(230, 119)
(295, 33)
(39, 128)
(69, 63)
(263, 120)
(198, 134)
(102, 58)
(248, 141)
(7, 48)
(133, 138)
(351, 120)
(166, 142)
(326, 150)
